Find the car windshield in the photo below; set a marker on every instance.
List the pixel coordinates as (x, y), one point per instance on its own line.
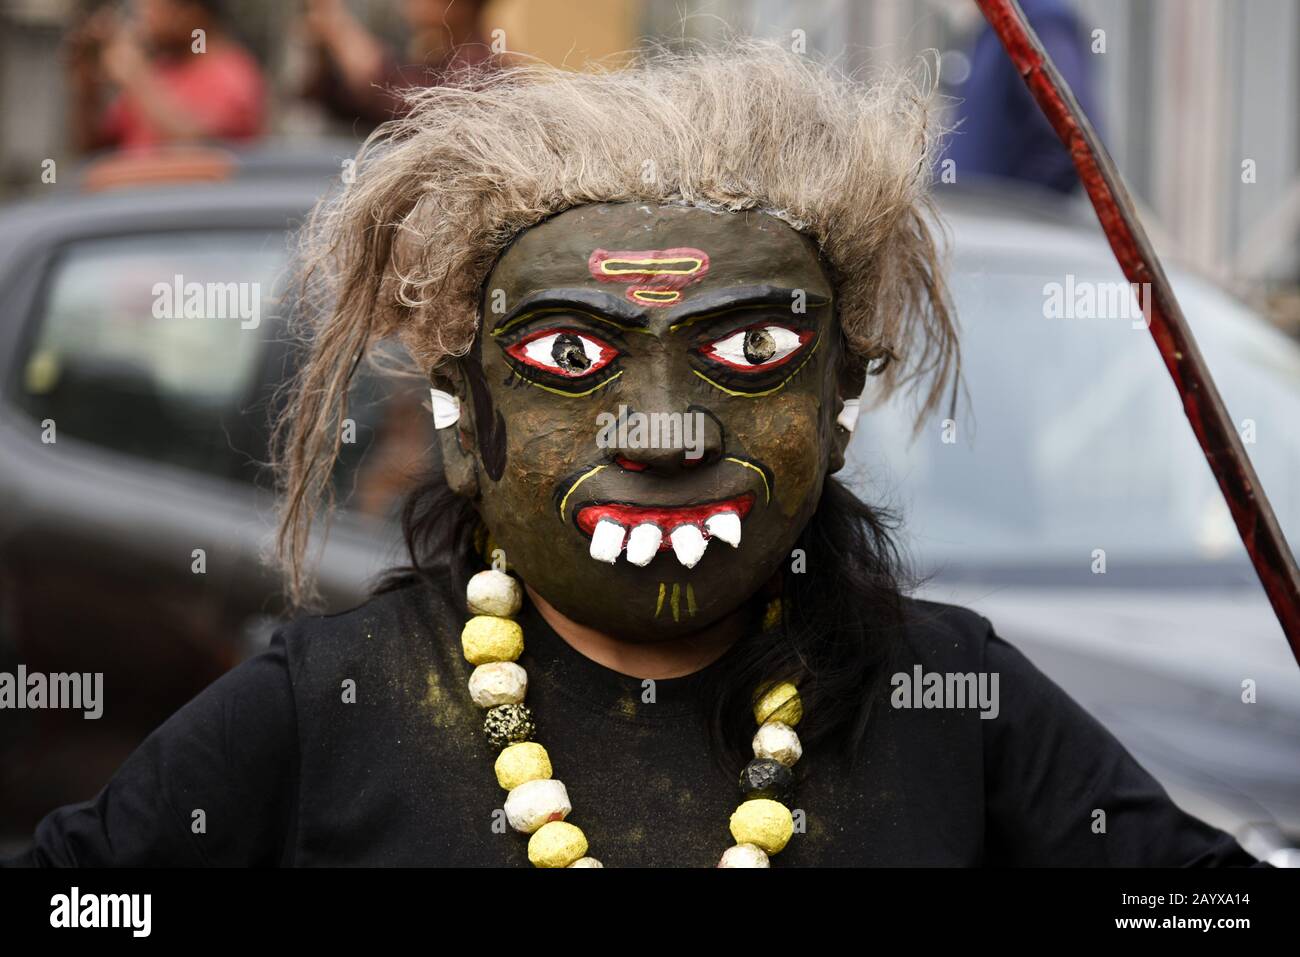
(150, 345)
(1074, 439)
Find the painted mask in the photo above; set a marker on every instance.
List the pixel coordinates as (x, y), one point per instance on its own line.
(649, 410)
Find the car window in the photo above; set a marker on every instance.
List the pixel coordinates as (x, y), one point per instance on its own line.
(1075, 438)
(151, 346)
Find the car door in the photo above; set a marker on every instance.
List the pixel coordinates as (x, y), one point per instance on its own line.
(133, 425)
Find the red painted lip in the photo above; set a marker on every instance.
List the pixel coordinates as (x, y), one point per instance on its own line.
(666, 517)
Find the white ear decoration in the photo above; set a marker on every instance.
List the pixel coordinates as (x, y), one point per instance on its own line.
(446, 409)
(848, 418)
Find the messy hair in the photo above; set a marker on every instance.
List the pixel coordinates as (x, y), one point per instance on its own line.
(403, 250)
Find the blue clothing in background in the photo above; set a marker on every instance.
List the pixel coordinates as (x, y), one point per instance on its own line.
(1001, 130)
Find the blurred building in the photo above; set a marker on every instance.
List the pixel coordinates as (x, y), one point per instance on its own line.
(1199, 96)
(33, 94)
(1196, 95)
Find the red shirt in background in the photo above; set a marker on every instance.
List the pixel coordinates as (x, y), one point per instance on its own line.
(221, 88)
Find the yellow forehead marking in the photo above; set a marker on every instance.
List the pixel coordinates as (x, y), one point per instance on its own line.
(670, 267)
(656, 295)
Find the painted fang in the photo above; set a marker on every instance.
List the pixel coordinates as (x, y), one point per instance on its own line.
(647, 530)
(724, 525)
(643, 544)
(689, 544)
(607, 540)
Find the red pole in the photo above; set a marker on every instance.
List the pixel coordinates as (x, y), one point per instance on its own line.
(1205, 410)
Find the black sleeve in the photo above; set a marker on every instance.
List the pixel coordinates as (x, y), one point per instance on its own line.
(1050, 767)
(231, 753)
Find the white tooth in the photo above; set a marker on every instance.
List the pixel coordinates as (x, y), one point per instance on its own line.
(607, 540)
(643, 543)
(726, 526)
(689, 544)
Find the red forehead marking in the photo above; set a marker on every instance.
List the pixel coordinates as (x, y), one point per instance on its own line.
(655, 277)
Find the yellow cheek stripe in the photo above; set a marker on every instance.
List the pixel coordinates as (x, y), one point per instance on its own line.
(570, 395)
(775, 388)
(582, 478)
(767, 490)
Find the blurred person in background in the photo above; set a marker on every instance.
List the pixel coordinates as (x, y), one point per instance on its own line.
(150, 79)
(1001, 132)
(355, 75)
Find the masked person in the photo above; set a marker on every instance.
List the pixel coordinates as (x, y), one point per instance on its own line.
(643, 623)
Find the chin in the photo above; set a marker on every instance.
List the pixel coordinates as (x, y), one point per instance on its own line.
(660, 600)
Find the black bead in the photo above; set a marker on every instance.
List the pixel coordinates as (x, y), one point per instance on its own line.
(765, 778)
(509, 724)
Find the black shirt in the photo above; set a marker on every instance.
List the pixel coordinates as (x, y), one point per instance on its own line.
(285, 772)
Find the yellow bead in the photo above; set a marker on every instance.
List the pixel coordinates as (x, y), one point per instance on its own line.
(780, 703)
(768, 824)
(487, 638)
(556, 844)
(520, 763)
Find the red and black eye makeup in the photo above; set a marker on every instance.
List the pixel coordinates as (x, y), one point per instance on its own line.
(569, 353)
(753, 356)
(565, 359)
(757, 348)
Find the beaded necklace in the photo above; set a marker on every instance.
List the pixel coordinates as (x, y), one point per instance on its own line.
(538, 804)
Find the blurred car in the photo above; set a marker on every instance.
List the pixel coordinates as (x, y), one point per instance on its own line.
(137, 509)
(1070, 504)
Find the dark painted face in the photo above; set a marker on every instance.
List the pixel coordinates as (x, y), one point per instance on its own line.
(653, 407)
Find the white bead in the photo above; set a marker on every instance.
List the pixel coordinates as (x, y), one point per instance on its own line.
(498, 682)
(778, 741)
(533, 803)
(586, 862)
(745, 855)
(494, 593)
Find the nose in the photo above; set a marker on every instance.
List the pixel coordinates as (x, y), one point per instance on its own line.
(665, 442)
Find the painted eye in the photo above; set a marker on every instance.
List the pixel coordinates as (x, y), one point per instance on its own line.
(564, 353)
(757, 348)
